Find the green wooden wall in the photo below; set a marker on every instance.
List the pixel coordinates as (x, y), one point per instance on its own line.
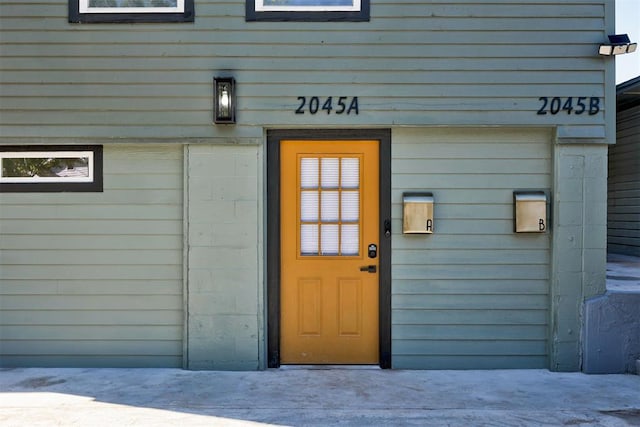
(623, 233)
(95, 279)
(474, 294)
(468, 62)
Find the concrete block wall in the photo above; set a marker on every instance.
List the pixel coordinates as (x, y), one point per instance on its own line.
(579, 245)
(612, 333)
(223, 301)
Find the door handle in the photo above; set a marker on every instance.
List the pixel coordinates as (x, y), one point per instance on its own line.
(369, 268)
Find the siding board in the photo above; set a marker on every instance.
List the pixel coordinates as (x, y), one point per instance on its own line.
(62, 80)
(112, 318)
(96, 347)
(95, 279)
(470, 257)
(90, 361)
(465, 317)
(623, 204)
(80, 241)
(478, 361)
(91, 227)
(472, 286)
(303, 64)
(473, 294)
(469, 302)
(88, 333)
(470, 347)
(91, 287)
(471, 332)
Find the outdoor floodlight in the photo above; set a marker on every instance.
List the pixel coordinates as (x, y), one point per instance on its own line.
(224, 100)
(618, 44)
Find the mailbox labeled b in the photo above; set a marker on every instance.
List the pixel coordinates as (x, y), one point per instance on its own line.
(530, 212)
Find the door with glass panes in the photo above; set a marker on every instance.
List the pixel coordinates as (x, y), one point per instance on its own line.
(329, 263)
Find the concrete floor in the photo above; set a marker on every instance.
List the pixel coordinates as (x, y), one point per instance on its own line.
(315, 397)
(623, 273)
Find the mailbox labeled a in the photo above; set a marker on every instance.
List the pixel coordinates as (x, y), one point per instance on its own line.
(417, 213)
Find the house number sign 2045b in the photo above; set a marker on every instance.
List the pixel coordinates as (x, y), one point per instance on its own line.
(331, 105)
(571, 105)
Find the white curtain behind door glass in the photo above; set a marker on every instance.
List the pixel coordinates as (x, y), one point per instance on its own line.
(350, 206)
(350, 173)
(330, 172)
(309, 206)
(329, 238)
(309, 168)
(309, 239)
(330, 206)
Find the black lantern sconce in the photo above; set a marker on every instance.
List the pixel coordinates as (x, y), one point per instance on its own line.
(224, 100)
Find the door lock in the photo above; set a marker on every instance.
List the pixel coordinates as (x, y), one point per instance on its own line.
(373, 251)
(369, 268)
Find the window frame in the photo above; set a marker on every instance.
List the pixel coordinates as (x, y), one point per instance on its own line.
(317, 13)
(95, 184)
(131, 15)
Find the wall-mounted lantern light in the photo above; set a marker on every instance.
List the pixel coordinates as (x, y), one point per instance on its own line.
(618, 44)
(224, 100)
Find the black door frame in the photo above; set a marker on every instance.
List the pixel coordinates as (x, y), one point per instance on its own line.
(273, 231)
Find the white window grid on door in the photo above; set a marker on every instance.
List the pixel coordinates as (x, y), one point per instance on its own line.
(330, 200)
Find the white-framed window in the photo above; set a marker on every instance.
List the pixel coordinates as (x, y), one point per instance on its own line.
(131, 11)
(131, 6)
(307, 5)
(307, 10)
(47, 169)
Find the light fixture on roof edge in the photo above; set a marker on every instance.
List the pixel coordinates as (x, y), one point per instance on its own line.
(618, 44)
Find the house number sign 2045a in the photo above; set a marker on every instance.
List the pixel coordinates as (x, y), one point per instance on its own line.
(571, 105)
(330, 105)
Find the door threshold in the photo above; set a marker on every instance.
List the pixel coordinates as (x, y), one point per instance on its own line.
(329, 367)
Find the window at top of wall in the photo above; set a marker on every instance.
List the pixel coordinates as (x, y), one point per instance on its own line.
(50, 169)
(307, 10)
(127, 11)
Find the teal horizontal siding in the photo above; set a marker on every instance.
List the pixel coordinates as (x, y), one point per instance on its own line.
(95, 279)
(471, 332)
(414, 63)
(623, 203)
(86, 333)
(80, 316)
(98, 347)
(473, 294)
(512, 347)
(90, 361)
(92, 286)
(464, 317)
(475, 361)
(469, 301)
(79, 241)
(476, 286)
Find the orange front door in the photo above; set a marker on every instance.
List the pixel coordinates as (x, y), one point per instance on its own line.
(329, 261)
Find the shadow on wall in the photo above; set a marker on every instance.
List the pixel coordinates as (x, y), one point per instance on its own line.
(612, 320)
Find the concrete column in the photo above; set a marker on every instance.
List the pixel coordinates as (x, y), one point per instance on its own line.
(223, 293)
(579, 245)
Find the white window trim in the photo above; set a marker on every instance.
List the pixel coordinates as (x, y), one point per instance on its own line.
(47, 154)
(84, 7)
(260, 7)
